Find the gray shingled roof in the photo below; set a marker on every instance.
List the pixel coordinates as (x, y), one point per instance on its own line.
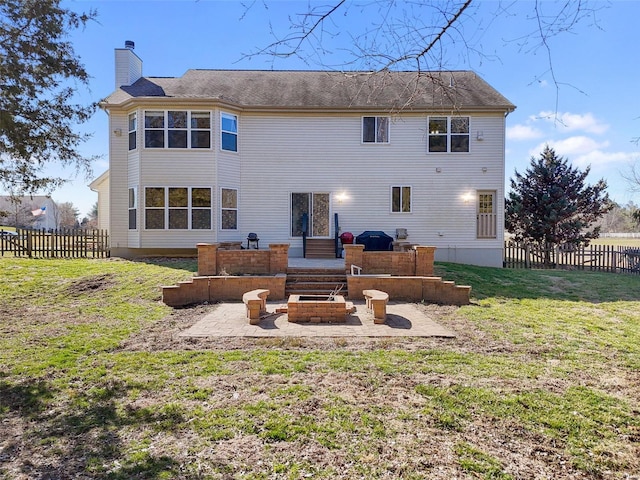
(323, 90)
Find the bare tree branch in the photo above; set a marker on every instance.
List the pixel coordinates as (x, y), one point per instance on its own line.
(302, 35)
(632, 177)
(424, 35)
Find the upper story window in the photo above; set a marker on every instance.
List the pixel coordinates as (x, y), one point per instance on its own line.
(401, 199)
(375, 129)
(133, 128)
(154, 129)
(449, 134)
(229, 132)
(177, 129)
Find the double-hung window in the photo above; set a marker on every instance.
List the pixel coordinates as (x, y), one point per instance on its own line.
(201, 208)
(177, 208)
(133, 128)
(200, 130)
(375, 129)
(177, 129)
(401, 199)
(449, 134)
(154, 129)
(229, 209)
(133, 209)
(154, 208)
(229, 132)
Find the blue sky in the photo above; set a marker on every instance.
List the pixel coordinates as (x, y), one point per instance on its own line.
(591, 117)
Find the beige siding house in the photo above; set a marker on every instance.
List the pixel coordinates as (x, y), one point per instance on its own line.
(214, 155)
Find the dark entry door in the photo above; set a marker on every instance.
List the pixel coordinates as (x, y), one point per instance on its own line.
(316, 207)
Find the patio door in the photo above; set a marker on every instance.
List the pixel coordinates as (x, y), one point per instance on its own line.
(316, 207)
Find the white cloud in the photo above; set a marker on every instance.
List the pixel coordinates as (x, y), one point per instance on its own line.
(570, 147)
(574, 121)
(598, 158)
(523, 132)
(582, 151)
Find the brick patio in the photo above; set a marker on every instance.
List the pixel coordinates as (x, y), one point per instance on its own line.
(403, 320)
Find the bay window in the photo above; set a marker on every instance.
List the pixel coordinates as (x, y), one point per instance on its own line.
(229, 209)
(177, 208)
(229, 132)
(177, 129)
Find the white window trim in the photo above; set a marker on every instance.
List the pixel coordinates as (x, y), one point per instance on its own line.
(236, 209)
(236, 133)
(449, 134)
(376, 142)
(166, 209)
(166, 129)
(400, 212)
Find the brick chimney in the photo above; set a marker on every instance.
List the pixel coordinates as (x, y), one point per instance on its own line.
(128, 65)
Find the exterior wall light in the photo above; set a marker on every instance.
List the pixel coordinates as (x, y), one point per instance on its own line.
(468, 197)
(341, 197)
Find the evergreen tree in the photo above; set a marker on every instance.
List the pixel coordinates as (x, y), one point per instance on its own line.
(39, 74)
(550, 204)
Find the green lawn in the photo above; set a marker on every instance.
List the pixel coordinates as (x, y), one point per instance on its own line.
(624, 242)
(542, 381)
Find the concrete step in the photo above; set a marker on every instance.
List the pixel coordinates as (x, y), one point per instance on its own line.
(320, 248)
(316, 277)
(314, 290)
(315, 281)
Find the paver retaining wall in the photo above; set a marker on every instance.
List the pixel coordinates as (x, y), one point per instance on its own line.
(415, 262)
(213, 260)
(405, 276)
(410, 289)
(221, 288)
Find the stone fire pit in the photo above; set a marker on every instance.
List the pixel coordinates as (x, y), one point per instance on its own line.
(317, 309)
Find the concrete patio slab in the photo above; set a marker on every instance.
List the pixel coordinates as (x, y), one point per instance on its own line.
(403, 320)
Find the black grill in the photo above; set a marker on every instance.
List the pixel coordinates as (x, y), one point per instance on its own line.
(375, 241)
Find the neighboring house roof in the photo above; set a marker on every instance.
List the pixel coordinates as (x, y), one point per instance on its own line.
(95, 184)
(321, 90)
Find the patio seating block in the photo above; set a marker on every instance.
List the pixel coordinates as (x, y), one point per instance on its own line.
(377, 303)
(256, 304)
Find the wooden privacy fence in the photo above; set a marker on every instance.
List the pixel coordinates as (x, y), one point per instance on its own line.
(604, 258)
(63, 243)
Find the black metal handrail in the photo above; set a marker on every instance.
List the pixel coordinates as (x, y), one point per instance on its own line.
(336, 230)
(305, 229)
